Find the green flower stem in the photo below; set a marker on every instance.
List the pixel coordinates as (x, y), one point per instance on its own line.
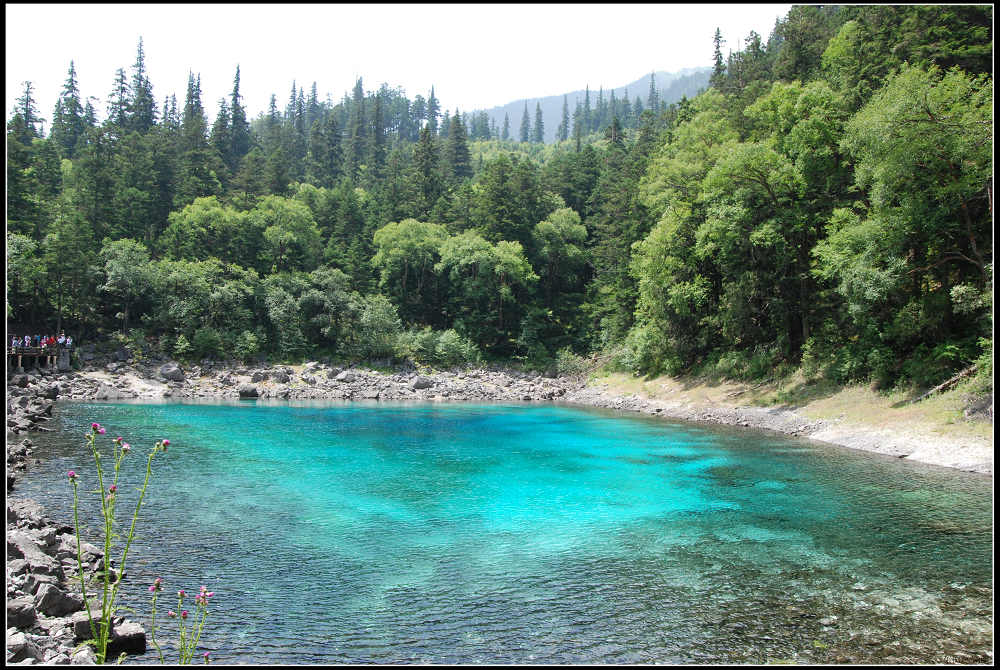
(135, 518)
(152, 627)
(79, 556)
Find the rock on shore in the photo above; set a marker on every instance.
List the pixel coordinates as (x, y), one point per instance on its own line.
(45, 612)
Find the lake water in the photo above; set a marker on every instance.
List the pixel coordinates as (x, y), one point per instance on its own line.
(460, 533)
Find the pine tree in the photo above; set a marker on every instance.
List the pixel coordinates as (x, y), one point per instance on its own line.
(199, 164)
(445, 122)
(355, 150)
(601, 112)
(458, 159)
(313, 108)
(29, 116)
(68, 124)
(539, 136)
(90, 115)
(653, 99)
(587, 121)
(239, 127)
(505, 134)
(433, 112)
(221, 135)
(563, 130)
(324, 159)
(142, 111)
(272, 127)
(118, 104)
(425, 163)
(719, 67)
(525, 124)
(378, 135)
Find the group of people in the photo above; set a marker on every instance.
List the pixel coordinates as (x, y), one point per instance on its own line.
(41, 341)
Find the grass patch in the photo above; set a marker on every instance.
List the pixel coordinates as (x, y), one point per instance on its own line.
(859, 405)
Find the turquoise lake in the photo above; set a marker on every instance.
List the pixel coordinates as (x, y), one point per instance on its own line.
(462, 533)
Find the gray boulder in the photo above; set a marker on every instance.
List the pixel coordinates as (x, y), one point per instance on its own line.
(53, 601)
(345, 376)
(249, 391)
(421, 383)
(128, 637)
(22, 545)
(21, 612)
(106, 392)
(172, 371)
(280, 376)
(258, 376)
(21, 648)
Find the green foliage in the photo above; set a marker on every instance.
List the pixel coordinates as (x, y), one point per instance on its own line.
(376, 330)
(207, 343)
(569, 364)
(246, 346)
(182, 348)
(827, 201)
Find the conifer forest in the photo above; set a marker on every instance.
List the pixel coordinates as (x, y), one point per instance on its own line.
(825, 203)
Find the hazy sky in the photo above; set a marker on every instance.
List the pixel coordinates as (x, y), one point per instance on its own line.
(475, 55)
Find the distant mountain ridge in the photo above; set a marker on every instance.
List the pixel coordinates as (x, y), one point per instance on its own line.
(671, 86)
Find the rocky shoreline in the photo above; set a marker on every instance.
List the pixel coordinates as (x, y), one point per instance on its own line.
(44, 613)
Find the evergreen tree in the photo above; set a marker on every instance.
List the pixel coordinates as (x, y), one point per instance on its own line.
(68, 124)
(563, 131)
(601, 111)
(719, 66)
(221, 134)
(425, 164)
(355, 151)
(239, 127)
(653, 99)
(142, 111)
(505, 134)
(119, 104)
(378, 135)
(525, 124)
(587, 121)
(199, 164)
(433, 112)
(29, 116)
(457, 155)
(539, 136)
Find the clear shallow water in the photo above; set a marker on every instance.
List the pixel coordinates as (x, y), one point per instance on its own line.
(416, 533)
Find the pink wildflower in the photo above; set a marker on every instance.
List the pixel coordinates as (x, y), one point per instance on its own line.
(171, 613)
(118, 440)
(95, 426)
(71, 474)
(156, 585)
(166, 443)
(126, 447)
(181, 593)
(101, 430)
(113, 488)
(184, 614)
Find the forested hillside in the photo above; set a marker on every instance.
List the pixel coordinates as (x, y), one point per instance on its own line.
(827, 203)
(561, 112)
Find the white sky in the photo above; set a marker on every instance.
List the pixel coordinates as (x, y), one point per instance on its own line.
(475, 55)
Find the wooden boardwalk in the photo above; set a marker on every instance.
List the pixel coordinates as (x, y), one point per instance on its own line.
(41, 356)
